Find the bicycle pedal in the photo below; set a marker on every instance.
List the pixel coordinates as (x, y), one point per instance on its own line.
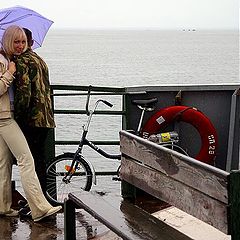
(25, 212)
(22, 204)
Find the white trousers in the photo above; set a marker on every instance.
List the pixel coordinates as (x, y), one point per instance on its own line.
(13, 143)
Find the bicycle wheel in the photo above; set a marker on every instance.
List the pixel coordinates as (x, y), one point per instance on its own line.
(80, 178)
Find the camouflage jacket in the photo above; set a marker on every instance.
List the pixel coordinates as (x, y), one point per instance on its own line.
(32, 100)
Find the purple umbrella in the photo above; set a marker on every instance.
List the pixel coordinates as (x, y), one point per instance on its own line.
(27, 18)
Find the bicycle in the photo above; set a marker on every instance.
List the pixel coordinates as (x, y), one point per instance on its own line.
(71, 171)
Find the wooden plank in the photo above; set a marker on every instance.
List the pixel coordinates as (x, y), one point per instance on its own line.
(191, 172)
(128, 221)
(144, 222)
(234, 204)
(176, 193)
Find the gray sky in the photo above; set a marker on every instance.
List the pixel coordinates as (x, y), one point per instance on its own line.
(163, 14)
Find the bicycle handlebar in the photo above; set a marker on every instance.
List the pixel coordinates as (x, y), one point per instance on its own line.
(107, 103)
(88, 112)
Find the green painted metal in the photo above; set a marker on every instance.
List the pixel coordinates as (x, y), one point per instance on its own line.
(69, 220)
(63, 91)
(82, 94)
(84, 112)
(234, 204)
(234, 136)
(220, 103)
(94, 91)
(95, 142)
(86, 88)
(50, 141)
(50, 146)
(128, 191)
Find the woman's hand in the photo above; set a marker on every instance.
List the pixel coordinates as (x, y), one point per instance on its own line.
(12, 67)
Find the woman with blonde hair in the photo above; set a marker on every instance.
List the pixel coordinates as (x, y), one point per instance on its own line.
(12, 140)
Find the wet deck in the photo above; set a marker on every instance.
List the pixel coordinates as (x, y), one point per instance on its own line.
(53, 228)
(88, 227)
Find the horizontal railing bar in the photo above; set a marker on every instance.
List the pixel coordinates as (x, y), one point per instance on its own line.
(84, 94)
(56, 111)
(95, 142)
(106, 173)
(86, 88)
(96, 173)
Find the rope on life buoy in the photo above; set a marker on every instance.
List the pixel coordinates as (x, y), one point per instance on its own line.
(196, 118)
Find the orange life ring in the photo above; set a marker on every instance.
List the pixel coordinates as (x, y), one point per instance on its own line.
(207, 131)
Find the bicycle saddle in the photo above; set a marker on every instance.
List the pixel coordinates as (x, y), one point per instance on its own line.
(145, 103)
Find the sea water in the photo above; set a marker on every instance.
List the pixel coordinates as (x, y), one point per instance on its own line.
(127, 58)
(131, 58)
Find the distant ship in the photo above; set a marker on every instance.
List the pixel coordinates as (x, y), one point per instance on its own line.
(189, 30)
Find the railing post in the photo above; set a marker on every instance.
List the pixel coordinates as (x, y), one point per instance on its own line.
(69, 220)
(49, 144)
(234, 200)
(234, 135)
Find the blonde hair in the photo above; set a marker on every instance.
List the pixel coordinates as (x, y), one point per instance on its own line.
(9, 36)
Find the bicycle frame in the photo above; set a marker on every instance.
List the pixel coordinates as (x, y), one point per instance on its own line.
(73, 164)
(85, 141)
(101, 151)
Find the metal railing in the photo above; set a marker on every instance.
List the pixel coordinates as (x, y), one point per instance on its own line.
(61, 91)
(86, 91)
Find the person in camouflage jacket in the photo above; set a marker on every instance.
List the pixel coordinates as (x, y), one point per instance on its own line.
(32, 104)
(12, 141)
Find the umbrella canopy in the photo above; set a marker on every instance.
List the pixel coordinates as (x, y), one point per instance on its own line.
(26, 18)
